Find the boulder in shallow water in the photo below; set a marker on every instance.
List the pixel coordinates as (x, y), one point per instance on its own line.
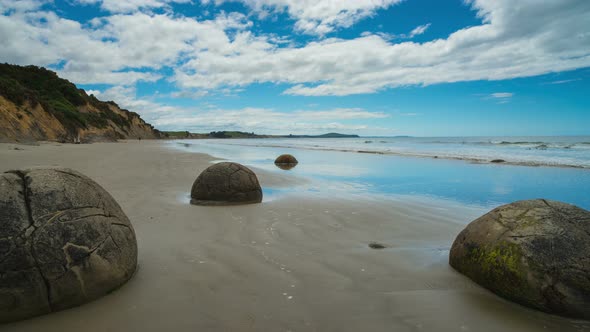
(226, 183)
(286, 161)
(64, 241)
(536, 253)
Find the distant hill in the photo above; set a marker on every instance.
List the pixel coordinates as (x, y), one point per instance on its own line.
(241, 134)
(213, 134)
(329, 135)
(35, 104)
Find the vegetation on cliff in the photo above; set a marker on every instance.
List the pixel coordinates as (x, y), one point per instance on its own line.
(30, 86)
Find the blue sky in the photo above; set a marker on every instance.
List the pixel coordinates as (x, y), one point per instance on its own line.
(370, 67)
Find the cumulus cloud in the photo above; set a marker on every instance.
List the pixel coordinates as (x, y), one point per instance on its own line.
(128, 6)
(268, 121)
(317, 17)
(21, 5)
(527, 39)
(224, 54)
(259, 120)
(116, 49)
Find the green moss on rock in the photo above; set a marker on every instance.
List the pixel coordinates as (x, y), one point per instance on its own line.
(531, 252)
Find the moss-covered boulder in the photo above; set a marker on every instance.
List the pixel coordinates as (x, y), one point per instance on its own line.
(536, 253)
(64, 241)
(226, 184)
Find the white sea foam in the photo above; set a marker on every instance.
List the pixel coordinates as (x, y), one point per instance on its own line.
(564, 151)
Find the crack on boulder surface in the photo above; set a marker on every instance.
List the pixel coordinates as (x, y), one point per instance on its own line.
(30, 240)
(121, 225)
(114, 242)
(528, 235)
(89, 251)
(25, 193)
(69, 173)
(89, 216)
(58, 213)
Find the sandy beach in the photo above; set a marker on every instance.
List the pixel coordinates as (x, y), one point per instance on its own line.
(293, 263)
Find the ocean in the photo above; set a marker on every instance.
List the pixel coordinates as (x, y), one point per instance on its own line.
(450, 168)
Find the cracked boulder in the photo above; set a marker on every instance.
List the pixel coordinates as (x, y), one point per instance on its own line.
(64, 241)
(226, 184)
(536, 253)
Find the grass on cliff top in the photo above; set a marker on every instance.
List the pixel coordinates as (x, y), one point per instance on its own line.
(57, 96)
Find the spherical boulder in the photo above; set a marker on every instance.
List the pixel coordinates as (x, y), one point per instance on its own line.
(226, 183)
(64, 241)
(536, 253)
(286, 161)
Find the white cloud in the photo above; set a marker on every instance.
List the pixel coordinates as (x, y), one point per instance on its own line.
(502, 95)
(419, 30)
(117, 49)
(93, 92)
(565, 81)
(317, 17)
(517, 39)
(259, 120)
(128, 6)
(190, 94)
(266, 121)
(338, 113)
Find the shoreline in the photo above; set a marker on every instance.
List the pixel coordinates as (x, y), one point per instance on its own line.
(489, 161)
(298, 263)
(473, 160)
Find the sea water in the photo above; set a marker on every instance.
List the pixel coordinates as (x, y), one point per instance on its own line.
(555, 168)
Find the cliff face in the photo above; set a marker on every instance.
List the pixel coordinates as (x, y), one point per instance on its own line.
(35, 104)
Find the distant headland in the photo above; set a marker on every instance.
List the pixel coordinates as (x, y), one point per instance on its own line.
(241, 134)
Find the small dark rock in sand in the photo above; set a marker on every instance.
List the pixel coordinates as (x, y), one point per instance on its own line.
(226, 184)
(536, 253)
(286, 161)
(498, 161)
(375, 245)
(64, 241)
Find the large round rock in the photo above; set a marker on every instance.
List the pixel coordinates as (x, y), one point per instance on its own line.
(536, 253)
(64, 241)
(286, 161)
(226, 184)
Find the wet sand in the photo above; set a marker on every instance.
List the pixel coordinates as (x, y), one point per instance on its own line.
(294, 263)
